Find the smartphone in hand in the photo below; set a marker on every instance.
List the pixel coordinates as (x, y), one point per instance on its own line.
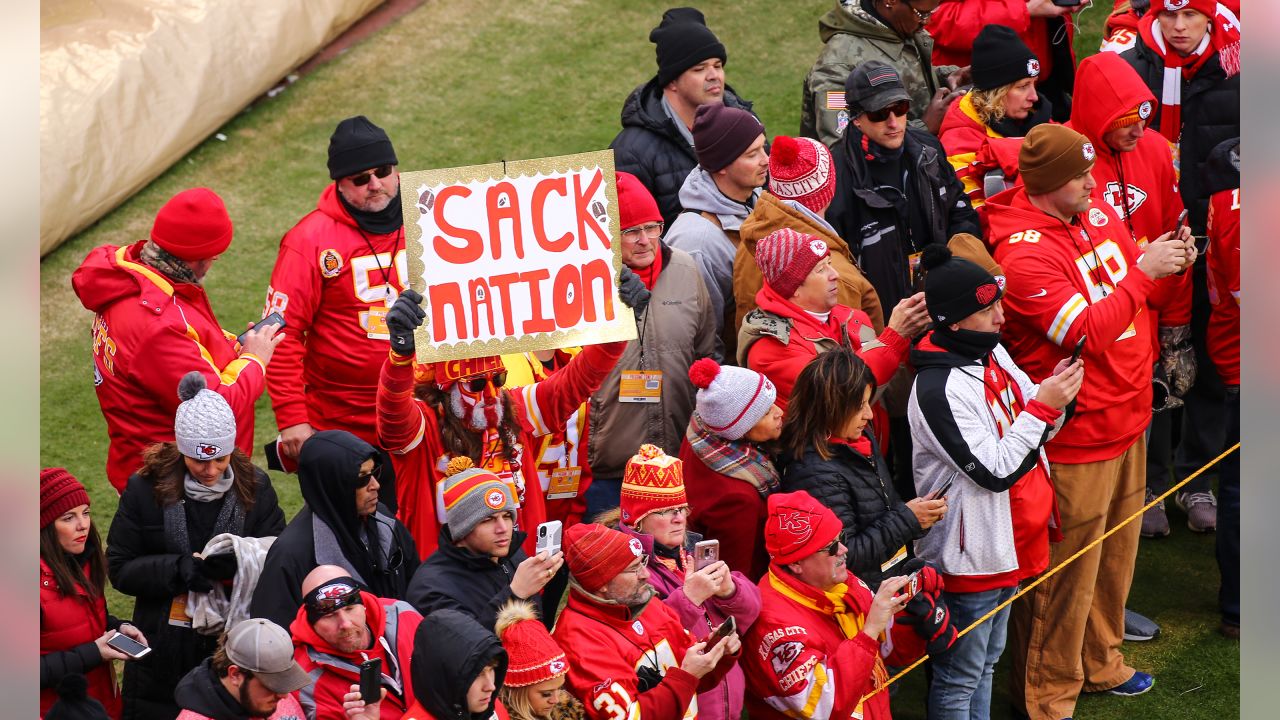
(549, 534)
(725, 630)
(371, 681)
(706, 552)
(274, 318)
(128, 645)
(1075, 354)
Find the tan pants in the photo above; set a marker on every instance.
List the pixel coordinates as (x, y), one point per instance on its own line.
(1065, 635)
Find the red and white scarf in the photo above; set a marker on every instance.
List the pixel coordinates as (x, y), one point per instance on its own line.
(1223, 39)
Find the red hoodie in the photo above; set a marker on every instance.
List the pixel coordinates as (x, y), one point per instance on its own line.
(1223, 258)
(328, 276)
(147, 334)
(1055, 294)
(1149, 203)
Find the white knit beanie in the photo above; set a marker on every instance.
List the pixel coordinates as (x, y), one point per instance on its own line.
(204, 426)
(731, 400)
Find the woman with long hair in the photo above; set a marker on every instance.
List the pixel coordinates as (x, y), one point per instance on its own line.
(74, 623)
(829, 454)
(186, 492)
(536, 669)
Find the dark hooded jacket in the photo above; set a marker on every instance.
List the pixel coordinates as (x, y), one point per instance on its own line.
(449, 651)
(455, 577)
(327, 532)
(882, 227)
(652, 148)
(202, 694)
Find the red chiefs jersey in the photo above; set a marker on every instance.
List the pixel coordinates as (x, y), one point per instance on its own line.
(1223, 258)
(147, 333)
(410, 430)
(1140, 185)
(329, 277)
(1065, 281)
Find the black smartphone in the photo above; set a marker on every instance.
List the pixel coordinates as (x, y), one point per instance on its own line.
(942, 491)
(725, 630)
(1067, 3)
(128, 645)
(1182, 222)
(1075, 354)
(371, 681)
(274, 318)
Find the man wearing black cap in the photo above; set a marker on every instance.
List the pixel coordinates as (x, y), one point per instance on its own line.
(977, 419)
(338, 272)
(895, 194)
(656, 141)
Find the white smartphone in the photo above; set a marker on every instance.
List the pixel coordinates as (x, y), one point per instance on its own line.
(128, 645)
(706, 553)
(549, 535)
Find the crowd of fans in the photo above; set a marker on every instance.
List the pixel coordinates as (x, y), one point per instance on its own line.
(905, 362)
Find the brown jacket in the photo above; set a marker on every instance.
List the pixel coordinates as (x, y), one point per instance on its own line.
(772, 213)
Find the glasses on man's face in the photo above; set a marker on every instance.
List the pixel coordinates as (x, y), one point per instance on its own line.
(477, 384)
(672, 512)
(833, 549)
(899, 109)
(652, 230)
(923, 17)
(640, 564)
(363, 478)
(363, 178)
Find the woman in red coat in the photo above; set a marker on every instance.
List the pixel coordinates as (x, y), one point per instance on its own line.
(726, 476)
(74, 624)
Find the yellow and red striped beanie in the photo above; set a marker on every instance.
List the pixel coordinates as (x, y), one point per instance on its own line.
(652, 481)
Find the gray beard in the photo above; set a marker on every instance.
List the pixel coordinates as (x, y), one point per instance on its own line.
(475, 419)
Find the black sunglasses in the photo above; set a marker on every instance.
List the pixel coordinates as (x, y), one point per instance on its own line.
(899, 108)
(363, 178)
(363, 478)
(319, 605)
(478, 384)
(833, 549)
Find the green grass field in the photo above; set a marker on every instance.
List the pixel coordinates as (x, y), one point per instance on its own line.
(461, 83)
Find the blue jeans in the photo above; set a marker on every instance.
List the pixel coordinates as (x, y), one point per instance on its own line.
(961, 687)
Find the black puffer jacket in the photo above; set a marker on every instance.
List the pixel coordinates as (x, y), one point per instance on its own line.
(142, 562)
(860, 492)
(1210, 114)
(449, 651)
(455, 577)
(651, 147)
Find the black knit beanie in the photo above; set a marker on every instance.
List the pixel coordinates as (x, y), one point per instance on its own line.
(955, 288)
(1001, 58)
(356, 145)
(683, 40)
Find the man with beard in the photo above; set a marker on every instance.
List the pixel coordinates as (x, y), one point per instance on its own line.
(479, 565)
(340, 626)
(629, 658)
(338, 272)
(429, 414)
(252, 674)
(341, 524)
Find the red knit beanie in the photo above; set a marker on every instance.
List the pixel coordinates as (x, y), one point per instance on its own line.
(193, 225)
(532, 654)
(800, 170)
(59, 492)
(596, 554)
(786, 257)
(798, 526)
(636, 205)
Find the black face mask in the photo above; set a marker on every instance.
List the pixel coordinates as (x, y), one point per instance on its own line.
(386, 220)
(969, 344)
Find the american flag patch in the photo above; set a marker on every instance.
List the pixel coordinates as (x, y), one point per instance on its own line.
(880, 76)
(835, 100)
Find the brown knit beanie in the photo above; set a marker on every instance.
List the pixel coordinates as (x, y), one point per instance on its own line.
(1051, 155)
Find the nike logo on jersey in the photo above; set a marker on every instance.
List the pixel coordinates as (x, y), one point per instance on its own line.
(1042, 293)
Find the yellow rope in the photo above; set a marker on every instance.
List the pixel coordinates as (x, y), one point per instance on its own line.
(1063, 564)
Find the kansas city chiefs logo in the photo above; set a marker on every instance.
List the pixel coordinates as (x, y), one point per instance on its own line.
(796, 523)
(818, 247)
(986, 293)
(335, 590)
(784, 654)
(1144, 110)
(495, 499)
(1175, 5)
(207, 451)
(1088, 151)
(1131, 199)
(636, 548)
(1033, 67)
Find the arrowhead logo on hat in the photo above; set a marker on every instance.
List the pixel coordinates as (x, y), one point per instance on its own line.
(1144, 110)
(1175, 5)
(818, 247)
(1033, 67)
(1089, 152)
(636, 548)
(208, 451)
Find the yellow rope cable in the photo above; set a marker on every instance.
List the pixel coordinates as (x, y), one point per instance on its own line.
(1061, 565)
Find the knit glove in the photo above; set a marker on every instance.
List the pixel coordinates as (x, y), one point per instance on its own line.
(405, 315)
(632, 292)
(191, 571)
(1178, 358)
(928, 613)
(218, 567)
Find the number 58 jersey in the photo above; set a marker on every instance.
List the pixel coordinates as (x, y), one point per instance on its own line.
(1070, 280)
(333, 283)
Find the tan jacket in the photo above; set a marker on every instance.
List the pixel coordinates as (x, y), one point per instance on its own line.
(772, 213)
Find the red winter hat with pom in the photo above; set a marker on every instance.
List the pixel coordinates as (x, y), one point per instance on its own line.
(532, 654)
(731, 400)
(193, 225)
(800, 170)
(597, 554)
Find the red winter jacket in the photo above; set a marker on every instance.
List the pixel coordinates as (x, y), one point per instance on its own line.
(1140, 185)
(333, 672)
(1223, 336)
(410, 430)
(417, 712)
(729, 510)
(1051, 301)
(148, 333)
(328, 276)
(70, 625)
(956, 23)
(606, 645)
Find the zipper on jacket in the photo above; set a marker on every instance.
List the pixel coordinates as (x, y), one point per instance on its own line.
(961, 521)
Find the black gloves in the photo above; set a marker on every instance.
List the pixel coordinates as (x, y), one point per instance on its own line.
(221, 566)
(191, 571)
(632, 292)
(928, 613)
(405, 315)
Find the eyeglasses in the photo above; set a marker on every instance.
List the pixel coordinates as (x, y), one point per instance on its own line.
(363, 478)
(477, 384)
(833, 549)
(652, 230)
(923, 17)
(672, 512)
(363, 178)
(899, 109)
(641, 563)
